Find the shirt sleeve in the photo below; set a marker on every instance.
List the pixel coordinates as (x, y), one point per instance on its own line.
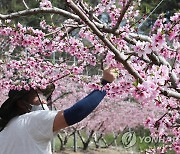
(40, 124)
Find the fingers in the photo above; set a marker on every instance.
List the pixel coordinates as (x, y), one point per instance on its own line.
(112, 70)
(110, 74)
(108, 69)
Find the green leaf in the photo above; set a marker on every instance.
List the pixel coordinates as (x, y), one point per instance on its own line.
(136, 83)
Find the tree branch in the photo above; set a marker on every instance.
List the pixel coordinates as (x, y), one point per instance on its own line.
(96, 27)
(158, 60)
(123, 11)
(176, 126)
(170, 93)
(119, 56)
(53, 10)
(87, 11)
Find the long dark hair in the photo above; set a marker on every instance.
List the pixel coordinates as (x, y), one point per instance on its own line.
(7, 116)
(9, 108)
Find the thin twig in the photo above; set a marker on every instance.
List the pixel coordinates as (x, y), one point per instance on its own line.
(123, 11)
(151, 13)
(25, 4)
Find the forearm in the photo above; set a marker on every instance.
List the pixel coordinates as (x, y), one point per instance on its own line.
(84, 107)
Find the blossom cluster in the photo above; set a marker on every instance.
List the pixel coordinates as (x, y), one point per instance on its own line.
(33, 57)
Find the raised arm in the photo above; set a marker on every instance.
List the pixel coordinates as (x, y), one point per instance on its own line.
(84, 107)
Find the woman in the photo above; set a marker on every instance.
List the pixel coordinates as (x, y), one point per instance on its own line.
(25, 131)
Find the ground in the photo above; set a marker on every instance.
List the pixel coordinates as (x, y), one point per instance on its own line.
(101, 151)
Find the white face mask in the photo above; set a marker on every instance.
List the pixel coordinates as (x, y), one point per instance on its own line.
(39, 107)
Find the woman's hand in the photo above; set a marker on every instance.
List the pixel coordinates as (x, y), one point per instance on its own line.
(109, 74)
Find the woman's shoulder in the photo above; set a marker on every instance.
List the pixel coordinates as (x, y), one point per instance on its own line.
(37, 114)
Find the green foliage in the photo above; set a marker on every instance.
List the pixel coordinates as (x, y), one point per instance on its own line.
(144, 141)
(165, 6)
(141, 144)
(10, 6)
(136, 83)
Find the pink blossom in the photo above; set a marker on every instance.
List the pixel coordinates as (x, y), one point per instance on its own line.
(176, 17)
(27, 61)
(77, 70)
(45, 3)
(159, 38)
(43, 24)
(172, 34)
